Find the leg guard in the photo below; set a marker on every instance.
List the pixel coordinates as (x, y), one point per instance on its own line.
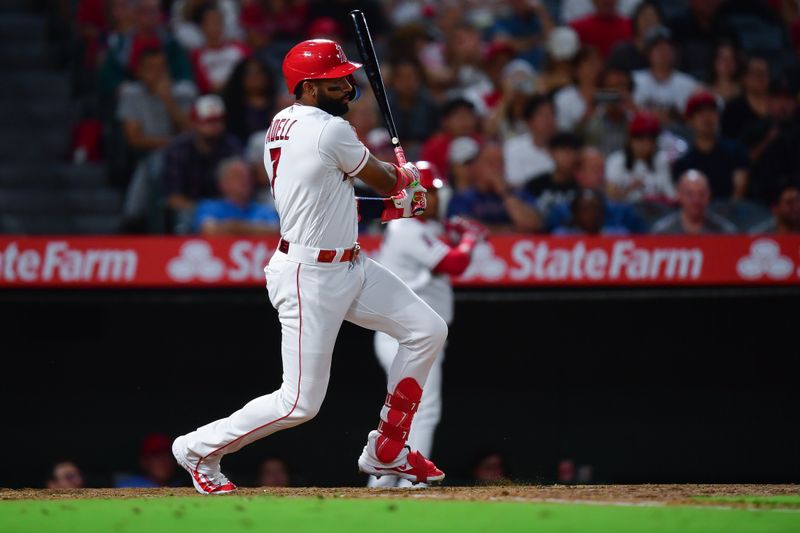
(396, 416)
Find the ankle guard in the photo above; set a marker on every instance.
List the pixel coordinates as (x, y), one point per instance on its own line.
(395, 424)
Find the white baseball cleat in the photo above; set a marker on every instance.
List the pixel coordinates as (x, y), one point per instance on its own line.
(207, 477)
(412, 466)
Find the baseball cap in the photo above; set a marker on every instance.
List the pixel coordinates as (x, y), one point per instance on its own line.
(655, 35)
(323, 27)
(497, 48)
(521, 75)
(208, 107)
(700, 100)
(563, 43)
(155, 443)
(463, 150)
(644, 123)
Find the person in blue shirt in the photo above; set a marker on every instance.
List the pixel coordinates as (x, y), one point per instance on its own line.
(588, 209)
(235, 213)
(525, 26)
(490, 199)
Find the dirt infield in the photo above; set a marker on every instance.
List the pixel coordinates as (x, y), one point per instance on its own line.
(615, 494)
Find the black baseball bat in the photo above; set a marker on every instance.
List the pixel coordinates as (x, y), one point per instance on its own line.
(373, 71)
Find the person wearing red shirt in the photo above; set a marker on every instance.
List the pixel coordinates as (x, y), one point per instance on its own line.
(603, 29)
(214, 62)
(458, 119)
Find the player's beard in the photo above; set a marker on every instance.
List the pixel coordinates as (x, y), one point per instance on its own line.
(337, 108)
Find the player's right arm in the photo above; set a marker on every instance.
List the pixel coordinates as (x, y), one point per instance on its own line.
(386, 178)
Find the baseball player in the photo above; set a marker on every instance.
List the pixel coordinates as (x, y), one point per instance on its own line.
(424, 253)
(316, 279)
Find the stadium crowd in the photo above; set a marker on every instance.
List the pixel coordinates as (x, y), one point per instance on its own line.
(596, 117)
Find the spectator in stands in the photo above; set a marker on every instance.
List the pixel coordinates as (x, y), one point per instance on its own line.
(604, 28)
(460, 155)
(694, 217)
(528, 155)
(273, 472)
(518, 83)
(774, 143)
(590, 175)
(630, 55)
(640, 172)
(458, 119)
(414, 109)
(65, 475)
(607, 128)
(562, 45)
(214, 61)
(463, 72)
(496, 57)
(249, 98)
(156, 462)
(746, 110)
(697, 31)
(491, 200)
(723, 161)
(524, 27)
(148, 32)
(235, 213)
(575, 103)
(266, 21)
(95, 20)
(489, 467)
(660, 88)
(785, 211)
(153, 108)
(726, 72)
(190, 161)
(588, 216)
(557, 185)
(186, 20)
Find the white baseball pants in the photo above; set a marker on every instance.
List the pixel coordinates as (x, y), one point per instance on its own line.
(312, 300)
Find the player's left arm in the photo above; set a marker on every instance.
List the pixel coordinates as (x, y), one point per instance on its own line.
(458, 258)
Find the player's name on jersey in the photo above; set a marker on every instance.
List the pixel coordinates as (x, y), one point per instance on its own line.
(279, 129)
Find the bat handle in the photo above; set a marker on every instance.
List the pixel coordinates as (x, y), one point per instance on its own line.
(400, 155)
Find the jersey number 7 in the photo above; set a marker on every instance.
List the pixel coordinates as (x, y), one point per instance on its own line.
(275, 157)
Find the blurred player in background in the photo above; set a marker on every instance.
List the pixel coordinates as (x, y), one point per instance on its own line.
(424, 253)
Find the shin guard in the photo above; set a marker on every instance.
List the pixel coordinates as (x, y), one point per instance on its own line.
(396, 416)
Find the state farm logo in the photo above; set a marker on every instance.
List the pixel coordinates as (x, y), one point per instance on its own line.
(196, 260)
(245, 261)
(765, 259)
(59, 262)
(485, 264)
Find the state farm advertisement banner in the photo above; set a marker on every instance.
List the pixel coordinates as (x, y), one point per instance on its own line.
(503, 261)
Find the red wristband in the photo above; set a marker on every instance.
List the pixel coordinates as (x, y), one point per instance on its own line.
(401, 181)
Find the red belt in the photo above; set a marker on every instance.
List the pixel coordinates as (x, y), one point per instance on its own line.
(326, 256)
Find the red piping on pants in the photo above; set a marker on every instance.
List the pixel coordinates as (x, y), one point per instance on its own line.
(299, 376)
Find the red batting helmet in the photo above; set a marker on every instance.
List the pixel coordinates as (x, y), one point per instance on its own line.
(316, 59)
(429, 176)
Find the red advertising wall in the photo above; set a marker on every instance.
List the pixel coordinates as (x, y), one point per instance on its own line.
(505, 260)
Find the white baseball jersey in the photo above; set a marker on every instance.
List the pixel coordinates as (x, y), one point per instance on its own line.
(310, 156)
(411, 249)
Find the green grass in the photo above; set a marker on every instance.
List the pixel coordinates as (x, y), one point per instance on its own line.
(792, 500)
(245, 514)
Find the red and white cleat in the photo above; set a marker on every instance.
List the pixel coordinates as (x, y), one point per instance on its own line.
(207, 478)
(412, 466)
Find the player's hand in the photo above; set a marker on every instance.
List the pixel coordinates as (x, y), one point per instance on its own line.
(409, 202)
(468, 229)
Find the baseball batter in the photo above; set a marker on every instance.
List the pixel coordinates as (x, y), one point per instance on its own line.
(317, 279)
(424, 253)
